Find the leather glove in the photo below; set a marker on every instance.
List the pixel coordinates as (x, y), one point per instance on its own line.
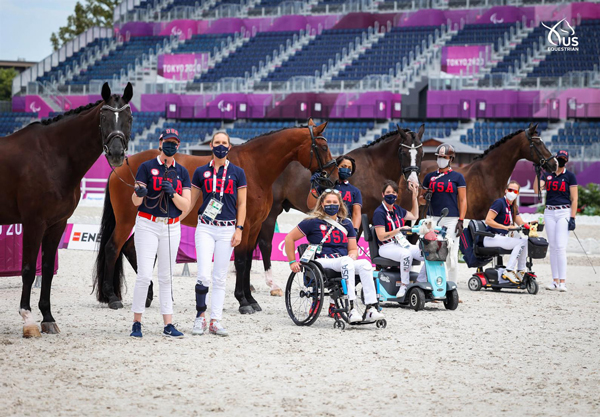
(572, 223)
(313, 180)
(428, 194)
(460, 226)
(141, 191)
(167, 188)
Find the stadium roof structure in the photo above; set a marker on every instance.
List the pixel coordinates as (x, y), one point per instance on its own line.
(430, 145)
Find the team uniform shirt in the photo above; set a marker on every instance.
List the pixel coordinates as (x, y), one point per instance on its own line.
(350, 195)
(558, 188)
(445, 191)
(336, 244)
(391, 220)
(503, 215)
(235, 179)
(151, 174)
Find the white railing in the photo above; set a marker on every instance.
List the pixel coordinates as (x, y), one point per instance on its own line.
(93, 186)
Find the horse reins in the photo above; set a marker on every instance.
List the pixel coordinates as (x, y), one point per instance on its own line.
(543, 162)
(314, 150)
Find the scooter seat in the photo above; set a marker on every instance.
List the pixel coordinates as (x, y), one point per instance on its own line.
(483, 251)
(385, 262)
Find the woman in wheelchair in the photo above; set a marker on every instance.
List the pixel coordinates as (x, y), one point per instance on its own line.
(500, 218)
(328, 227)
(388, 220)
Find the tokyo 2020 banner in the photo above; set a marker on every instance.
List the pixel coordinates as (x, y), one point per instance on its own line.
(458, 58)
(181, 67)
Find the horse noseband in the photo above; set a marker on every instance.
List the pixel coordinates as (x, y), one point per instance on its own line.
(117, 134)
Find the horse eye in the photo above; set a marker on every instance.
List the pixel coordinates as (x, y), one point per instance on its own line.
(324, 147)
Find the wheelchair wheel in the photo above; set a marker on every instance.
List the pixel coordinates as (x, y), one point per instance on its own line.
(339, 324)
(474, 283)
(304, 295)
(381, 324)
(532, 286)
(416, 299)
(451, 301)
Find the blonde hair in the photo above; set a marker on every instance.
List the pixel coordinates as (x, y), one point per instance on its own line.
(318, 211)
(221, 132)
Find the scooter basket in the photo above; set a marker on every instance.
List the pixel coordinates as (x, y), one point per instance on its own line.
(435, 250)
(537, 247)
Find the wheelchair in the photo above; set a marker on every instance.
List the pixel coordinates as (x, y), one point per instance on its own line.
(489, 278)
(307, 291)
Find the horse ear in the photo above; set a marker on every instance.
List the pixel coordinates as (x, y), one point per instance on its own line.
(321, 127)
(128, 93)
(532, 127)
(310, 122)
(106, 92)
(398, 126)
(402, 134)
(421, 131)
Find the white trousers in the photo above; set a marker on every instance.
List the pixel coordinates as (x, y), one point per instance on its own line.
(151, 240)
(557, 228)
(516, 244)
(405, 256)
(348, 267)
(452, 262)
(214, 240)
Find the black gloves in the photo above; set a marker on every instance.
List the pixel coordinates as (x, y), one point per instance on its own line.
(572, 223)
(167, 188)
(141, 191)
(460, 226)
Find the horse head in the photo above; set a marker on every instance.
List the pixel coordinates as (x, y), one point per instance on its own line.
(410, 153)
(315, 155)
(537, 151)
(115, 123)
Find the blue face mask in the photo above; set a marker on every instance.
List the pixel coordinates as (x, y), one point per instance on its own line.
(331, 209)
(390, 198)
(220, 151)
(169, 148)
(345, 173)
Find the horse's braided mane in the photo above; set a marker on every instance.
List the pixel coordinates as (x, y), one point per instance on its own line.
(498, 144)
(78, 110)
(384, 137)
(274, 131)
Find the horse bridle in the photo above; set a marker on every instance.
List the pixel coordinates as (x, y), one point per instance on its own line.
(323, 181)
(543, 162)
(406, 171)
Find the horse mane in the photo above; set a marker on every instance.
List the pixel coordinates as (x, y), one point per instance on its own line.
(272, 132)
(384, 137)
(498, 144)
(78, 110)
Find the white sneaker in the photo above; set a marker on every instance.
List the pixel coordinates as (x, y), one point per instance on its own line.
(200, 326)
(354, 316)
(521, 275)
(401, 292)
(562, 287)
(553, 286)
(373, 315)
(511, 276)
(218, 329)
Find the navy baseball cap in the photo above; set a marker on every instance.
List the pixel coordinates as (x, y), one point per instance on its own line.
(168, 134)
(562, 154)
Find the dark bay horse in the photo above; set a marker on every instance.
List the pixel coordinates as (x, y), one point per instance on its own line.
(263, 159)
(489, 173)
(44, 164)
(396, 155)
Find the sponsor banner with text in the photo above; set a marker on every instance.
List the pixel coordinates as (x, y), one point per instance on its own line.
(181, 67)
(460, 58)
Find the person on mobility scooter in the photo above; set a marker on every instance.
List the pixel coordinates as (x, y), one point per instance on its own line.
(483, 241)
(329, 261)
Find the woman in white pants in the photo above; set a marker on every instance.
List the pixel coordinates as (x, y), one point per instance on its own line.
(503, 214)
(162, 193)
(559, 217)
(388, 220)
(220, 223)
(329, 227)
(447, 189)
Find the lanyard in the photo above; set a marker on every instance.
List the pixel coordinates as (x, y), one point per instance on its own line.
(441, 175)
(509, 211)
(389, 217)
(222, 180)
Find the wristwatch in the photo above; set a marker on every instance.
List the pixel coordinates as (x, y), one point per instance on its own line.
(239, 227)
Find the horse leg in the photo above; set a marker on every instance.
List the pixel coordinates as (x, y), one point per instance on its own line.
(265, 244)
(129, 252)
(50, 244)
(246, 283)
(114, 268)
(240, 261)
(32, 239)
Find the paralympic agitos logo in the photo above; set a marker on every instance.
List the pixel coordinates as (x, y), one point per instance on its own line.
(562, 39)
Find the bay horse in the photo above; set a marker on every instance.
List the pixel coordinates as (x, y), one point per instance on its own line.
(263, 159)
(45, 163)
(489, 173)
(396, 155)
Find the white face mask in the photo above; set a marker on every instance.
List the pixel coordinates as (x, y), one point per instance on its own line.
(511, 196)
(443, 162)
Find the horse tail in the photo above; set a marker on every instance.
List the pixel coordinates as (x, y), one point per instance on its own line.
(107, 227)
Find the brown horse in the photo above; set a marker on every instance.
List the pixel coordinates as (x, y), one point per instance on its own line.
(396, 155)
(488, 175)
(263, 159)
(44, 164)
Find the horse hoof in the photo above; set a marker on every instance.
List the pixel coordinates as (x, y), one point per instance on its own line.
(252, 289)
(50, 328)
(246, 310)
(31, 330)
(277, 293)
(255, 307)
(148, 302)
(115, 305)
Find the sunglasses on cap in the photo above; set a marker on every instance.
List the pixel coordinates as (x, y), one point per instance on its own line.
(329, 190)
(512, 190)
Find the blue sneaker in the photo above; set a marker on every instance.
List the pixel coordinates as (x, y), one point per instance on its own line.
(136, 330)
(171, 331)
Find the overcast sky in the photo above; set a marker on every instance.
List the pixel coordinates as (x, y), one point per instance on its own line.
(26, 26)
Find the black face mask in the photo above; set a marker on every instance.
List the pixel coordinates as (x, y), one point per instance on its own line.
(169, 148)
(561, 162)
